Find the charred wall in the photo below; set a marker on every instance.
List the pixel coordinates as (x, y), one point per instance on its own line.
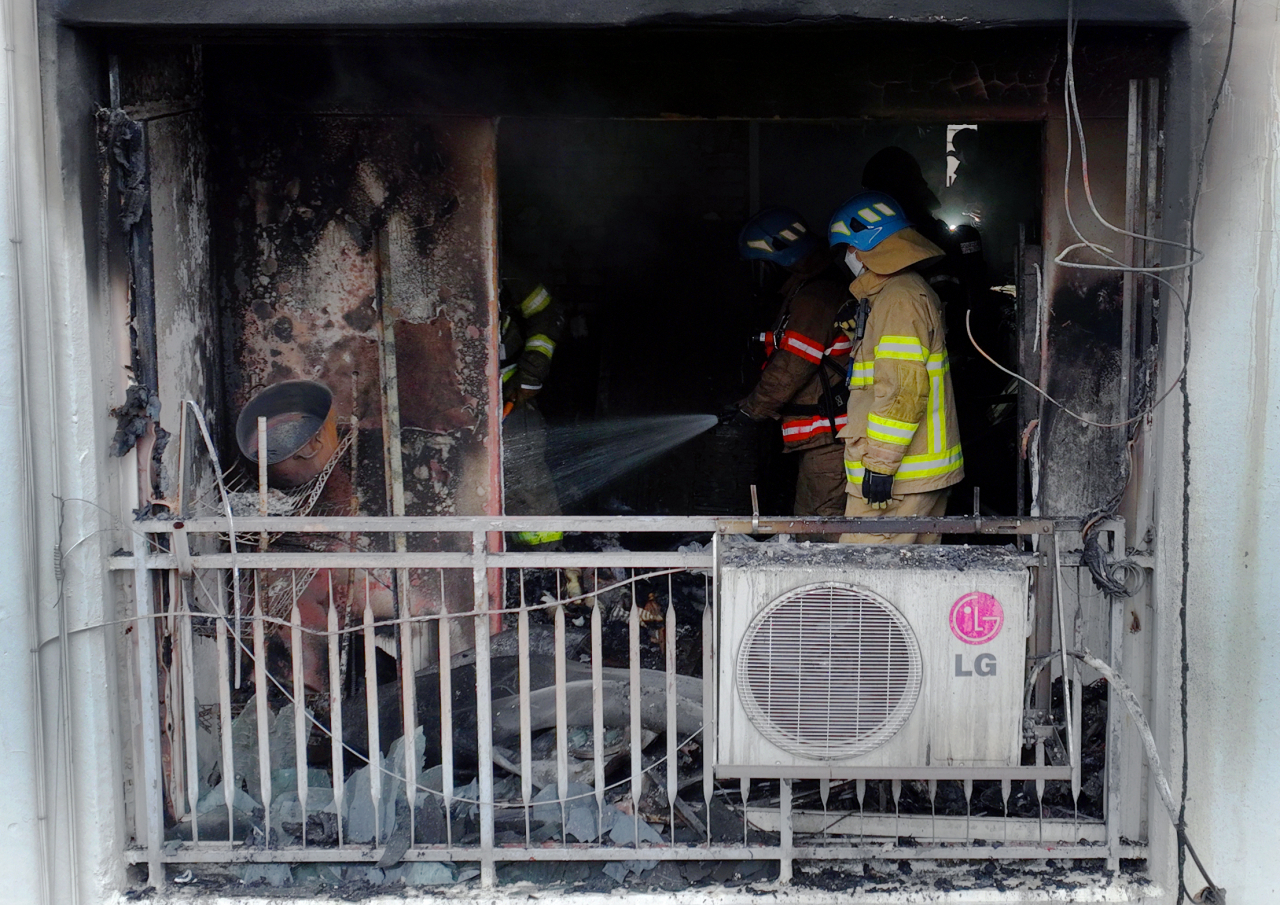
(346, 240)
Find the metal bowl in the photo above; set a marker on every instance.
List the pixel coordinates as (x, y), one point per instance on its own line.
(301, 430)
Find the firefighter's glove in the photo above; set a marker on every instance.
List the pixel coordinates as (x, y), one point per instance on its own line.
(735, 417)
(877, 489)
(852, 317)
(518, 395)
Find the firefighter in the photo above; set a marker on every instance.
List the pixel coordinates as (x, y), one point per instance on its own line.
(802, 383)
(532, 323)
(902, 441)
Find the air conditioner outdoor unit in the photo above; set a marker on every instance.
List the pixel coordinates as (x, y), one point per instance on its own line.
(837, 657)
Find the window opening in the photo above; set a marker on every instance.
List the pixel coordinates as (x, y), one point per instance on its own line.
(632, 223)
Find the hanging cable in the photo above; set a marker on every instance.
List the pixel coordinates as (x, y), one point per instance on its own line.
(1072, 105)
(1083, 419)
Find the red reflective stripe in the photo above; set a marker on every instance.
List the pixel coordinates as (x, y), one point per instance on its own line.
(806, 428)
(802, 345)
(842, 346)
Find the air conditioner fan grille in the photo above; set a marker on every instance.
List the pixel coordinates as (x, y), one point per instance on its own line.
(829, 671)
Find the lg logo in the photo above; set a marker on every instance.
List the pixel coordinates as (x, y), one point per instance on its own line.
(976, 618)
(983, 665)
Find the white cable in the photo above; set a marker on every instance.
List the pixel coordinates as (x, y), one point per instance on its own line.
(1076, 415)
(1072, 111)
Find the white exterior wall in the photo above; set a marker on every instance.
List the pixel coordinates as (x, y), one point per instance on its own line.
(60, 821)
(1232, 622)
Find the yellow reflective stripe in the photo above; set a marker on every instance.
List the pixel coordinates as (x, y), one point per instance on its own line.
(937, 366)
(906, 348)
(922, 466)
(930, 464)
(862, 374)
(538, 537)
(535, 301)
(507, 372)
(540, 343)
(888, 430)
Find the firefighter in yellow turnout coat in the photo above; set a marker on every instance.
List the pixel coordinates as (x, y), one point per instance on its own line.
(902, 440)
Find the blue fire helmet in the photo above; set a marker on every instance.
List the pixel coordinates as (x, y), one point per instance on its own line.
(776, 234)
(866, 220)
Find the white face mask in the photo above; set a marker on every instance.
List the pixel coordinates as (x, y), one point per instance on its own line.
(851, 261)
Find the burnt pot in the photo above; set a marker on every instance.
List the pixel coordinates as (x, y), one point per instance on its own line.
(302, 430)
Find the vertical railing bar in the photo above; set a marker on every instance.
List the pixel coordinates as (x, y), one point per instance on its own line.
(1077, 712)
(174, 693)
(1115, 738)
(1068, 711)
(597, 708)
(709, 686)
(300, 724)
(484, 707)
(633, 663)
(860, 790)
(673, 732)
(189, 706)
(224, 727)
(409, 709)
(895, 787)
(149, 691)
(1006, 787)
(335, 707)
(786, 841)
(933, 808)
(264, 540)
(371, 713)
(824, 792)
(445, 642)
(562, 723)
(1040, 787)
(526, 720)
(968, 811)
(262, 709)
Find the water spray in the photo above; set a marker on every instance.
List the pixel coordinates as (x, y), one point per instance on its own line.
(582, 458)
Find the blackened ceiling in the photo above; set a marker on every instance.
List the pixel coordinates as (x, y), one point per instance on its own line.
(927, 72)
(400, 13)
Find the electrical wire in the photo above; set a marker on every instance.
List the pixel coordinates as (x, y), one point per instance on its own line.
(1084, 419)
(1072, 111)
(1131, 703)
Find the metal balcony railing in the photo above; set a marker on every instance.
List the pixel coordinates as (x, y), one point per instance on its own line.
(400, 692)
